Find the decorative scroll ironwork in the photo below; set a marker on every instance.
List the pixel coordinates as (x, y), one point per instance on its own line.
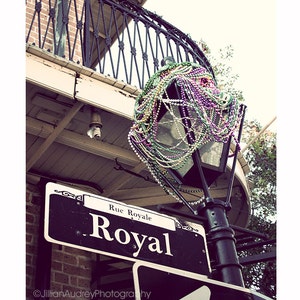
(69, 195)
(116, 38)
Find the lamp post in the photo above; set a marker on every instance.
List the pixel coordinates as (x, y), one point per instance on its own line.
(183, 128)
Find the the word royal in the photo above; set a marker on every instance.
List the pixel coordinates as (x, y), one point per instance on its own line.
(102, 230)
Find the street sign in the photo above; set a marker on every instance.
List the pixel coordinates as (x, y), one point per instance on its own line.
(94, 223)
(168, 283)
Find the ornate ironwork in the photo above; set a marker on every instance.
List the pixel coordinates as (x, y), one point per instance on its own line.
(70, 195)
(115, 37)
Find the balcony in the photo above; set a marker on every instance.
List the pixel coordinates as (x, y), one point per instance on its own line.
(116, 38)
(90, 55)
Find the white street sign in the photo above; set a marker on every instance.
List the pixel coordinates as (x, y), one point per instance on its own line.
(98, 224)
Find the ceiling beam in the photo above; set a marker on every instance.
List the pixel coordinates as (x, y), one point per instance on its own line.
(157, 191)
(91, 87)
(110, 98)
(53, 135)
(84, 143)
(158, 196)
(49, 75)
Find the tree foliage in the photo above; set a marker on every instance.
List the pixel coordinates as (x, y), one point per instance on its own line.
(261, 157)
(225, 77)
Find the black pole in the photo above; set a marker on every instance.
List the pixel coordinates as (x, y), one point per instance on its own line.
(221, 239)
(219, 233)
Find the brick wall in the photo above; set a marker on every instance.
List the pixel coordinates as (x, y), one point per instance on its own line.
(71, 271)
(32, 228)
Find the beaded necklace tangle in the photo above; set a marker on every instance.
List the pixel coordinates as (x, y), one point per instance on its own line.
(168, 138)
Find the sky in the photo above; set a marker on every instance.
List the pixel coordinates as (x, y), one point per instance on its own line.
(249, 27)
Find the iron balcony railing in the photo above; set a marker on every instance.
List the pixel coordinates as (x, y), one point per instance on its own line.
(116, 38)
